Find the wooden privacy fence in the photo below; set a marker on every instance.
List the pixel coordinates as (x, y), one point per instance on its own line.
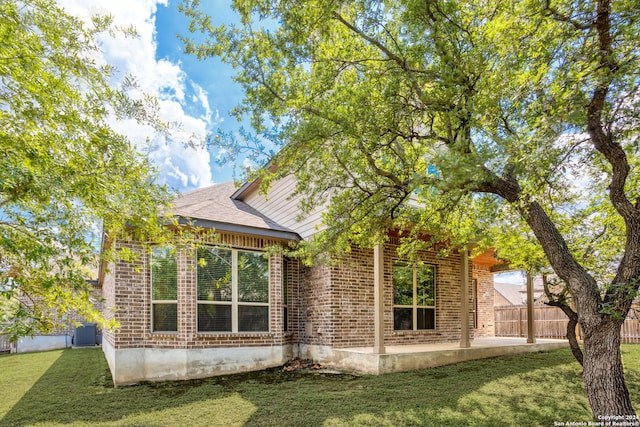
(550, 322)
(5, 344)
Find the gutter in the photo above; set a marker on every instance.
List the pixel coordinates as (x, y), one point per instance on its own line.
(244, 229)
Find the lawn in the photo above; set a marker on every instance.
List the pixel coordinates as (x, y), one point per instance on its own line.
(73, 387)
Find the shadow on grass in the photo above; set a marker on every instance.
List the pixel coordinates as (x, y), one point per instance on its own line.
(530, 389)
(534, 389)
(78, 387)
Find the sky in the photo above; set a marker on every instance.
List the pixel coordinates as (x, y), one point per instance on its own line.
(196, 94)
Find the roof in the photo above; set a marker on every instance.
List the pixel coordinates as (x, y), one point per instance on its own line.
(214, 207)
(509, 291)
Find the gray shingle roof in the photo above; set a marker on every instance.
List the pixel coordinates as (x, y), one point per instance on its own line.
(213, 207)
(510, 292)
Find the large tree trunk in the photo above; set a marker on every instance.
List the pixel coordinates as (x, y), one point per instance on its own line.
(603, 374)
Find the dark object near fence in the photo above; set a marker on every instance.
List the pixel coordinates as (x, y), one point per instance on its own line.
(5, 345)
(85, 335)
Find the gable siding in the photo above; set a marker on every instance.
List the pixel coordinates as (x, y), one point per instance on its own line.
(500, 300)
(284, 211)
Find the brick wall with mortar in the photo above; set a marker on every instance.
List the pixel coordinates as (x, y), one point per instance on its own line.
(315, 324)
(485, 295)
(338, 301)
(330, 306)
(127, 290)
(293, 272)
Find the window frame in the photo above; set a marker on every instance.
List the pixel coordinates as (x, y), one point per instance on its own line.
(414, 306)
(286, 266)
(154, 301)
(235, 302)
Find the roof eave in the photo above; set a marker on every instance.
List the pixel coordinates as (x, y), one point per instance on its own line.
(271, 166)
(237, 228)
(236, 194)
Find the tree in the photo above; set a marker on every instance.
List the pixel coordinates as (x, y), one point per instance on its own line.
(63, 171)
(465, 120)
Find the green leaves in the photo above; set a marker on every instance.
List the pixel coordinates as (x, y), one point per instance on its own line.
(64, 173)
(492, 95)
(527, 110)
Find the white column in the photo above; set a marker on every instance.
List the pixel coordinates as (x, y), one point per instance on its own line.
(464, 299)
(531, 329)
(378, 299)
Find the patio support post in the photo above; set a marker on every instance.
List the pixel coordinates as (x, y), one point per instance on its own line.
(464, 299)
(378, 299)
(531, 330)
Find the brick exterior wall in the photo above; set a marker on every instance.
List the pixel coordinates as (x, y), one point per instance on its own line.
(337, 302)
(316, 299)
(327, 305)
(127, 290)
(109, 304)
(485, 295)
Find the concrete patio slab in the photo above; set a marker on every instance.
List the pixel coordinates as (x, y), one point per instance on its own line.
(410, 357)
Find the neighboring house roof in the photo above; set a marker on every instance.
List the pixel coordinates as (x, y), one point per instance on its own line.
(509, 291)
(538, 290)
(214, 207)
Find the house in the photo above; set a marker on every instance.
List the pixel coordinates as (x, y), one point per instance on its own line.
(539, 296)
(65, 331)
(506, 294)
(226, 307)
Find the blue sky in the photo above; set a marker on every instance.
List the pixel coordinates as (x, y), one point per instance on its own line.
(196, 94)
(214, 77)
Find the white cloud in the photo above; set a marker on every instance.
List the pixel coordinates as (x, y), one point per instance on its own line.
(182, 166)
(201, 96)
(248, 164)
(512, 277)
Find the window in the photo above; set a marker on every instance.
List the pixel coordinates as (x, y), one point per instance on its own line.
(286, 265)
(233, 290)
(164, 290)
(414, 296)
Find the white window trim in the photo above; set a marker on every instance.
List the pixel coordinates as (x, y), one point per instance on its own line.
(162, 301)
(235, 303)
(414, 307)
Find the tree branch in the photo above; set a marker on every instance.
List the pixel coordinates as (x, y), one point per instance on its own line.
(565, 18)
(604, 143)
(401, 62)
(560, 301)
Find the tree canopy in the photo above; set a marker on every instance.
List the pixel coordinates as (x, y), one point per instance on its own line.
(64, 173)
(506, 123)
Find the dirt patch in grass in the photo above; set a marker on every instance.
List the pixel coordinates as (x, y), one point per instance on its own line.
(293, 370)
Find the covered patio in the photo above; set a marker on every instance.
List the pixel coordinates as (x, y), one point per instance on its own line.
(419, 356)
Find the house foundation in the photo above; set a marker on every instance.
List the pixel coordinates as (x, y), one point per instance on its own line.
(411, 357)
(133, 365)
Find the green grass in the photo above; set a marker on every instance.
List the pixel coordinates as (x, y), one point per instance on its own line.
(73, 387)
